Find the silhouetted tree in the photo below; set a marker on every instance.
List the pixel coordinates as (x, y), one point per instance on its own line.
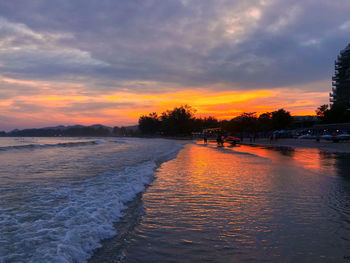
(123, 131)
(101, 131)
(116, 130)
(281, 119)
(265, 122)
(322, 111)
(149, 124)
(205, 123)
(179, 121)
(226, 125)
(210, 122)
(246, 122)
(338, 113)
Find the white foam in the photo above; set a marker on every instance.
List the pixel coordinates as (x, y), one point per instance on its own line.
(65, 224)
(49, 145)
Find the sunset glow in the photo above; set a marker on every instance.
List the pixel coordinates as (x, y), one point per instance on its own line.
(110, 64)
(124, 108)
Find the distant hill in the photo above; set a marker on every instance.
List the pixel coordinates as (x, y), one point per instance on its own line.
(73, 131)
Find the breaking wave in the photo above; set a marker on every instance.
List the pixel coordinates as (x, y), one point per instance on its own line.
(65, 220)
(40, 146)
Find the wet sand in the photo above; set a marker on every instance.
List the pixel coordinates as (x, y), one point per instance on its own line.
(245, 204)
(112, 249)
(239, 204)
(329, 146)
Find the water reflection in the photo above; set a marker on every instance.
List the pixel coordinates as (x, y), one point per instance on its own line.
(343, 165)
(245, 204)
(287, 151)
(308, 158)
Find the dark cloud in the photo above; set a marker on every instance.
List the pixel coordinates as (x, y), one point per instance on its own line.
(183, 43)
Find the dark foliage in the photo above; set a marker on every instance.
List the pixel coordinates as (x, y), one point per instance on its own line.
(67, 132)
(150, 124)
(337, 113)
(246, 122)
(205, 123)
(265, 122)
(322, 111)
(177, 122)
(181, 121)
(281, 119)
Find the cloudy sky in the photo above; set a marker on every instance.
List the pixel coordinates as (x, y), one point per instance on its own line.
(109, 61)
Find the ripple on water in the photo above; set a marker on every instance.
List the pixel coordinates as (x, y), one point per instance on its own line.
(264, 206)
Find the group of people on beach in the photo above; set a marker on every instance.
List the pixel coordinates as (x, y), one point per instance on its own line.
(219, 139)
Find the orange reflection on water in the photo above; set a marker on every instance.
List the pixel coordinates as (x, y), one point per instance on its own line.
(241, 185)
(240, 204)
(308, 158)
(218, 185)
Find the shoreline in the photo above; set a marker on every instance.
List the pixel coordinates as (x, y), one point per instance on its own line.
(323, 145)
(116, 249)
(112, 249)
(233, 206)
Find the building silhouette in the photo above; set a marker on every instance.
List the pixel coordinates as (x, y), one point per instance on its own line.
(340, 94)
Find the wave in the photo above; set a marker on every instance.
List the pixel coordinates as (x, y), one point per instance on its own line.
(40, 146)
(67, 223)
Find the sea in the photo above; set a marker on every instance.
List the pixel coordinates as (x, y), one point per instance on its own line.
(155, 200)
(59, 197)
(245, 204)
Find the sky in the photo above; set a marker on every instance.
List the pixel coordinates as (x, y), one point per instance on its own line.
(110, 61)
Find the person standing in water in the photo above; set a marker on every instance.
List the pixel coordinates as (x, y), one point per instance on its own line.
(220, 140)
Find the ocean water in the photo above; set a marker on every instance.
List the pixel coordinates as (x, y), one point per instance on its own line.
(59, 197)
(245, 204)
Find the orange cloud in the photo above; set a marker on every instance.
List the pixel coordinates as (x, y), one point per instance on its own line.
(68, 106)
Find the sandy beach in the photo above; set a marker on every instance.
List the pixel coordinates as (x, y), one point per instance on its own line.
(329, 146)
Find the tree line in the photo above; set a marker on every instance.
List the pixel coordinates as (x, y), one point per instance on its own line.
(75, 131)
(181, 122)
(335, 113)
